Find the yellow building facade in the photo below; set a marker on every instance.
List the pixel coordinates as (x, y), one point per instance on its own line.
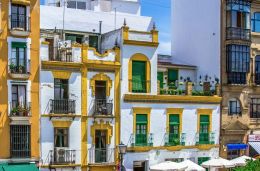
(19, 67)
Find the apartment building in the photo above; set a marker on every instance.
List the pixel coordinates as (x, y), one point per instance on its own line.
(19, 66)
(239, 74)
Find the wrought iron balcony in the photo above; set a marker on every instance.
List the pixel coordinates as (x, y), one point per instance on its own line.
(101, 155)
(60, 54)
(62, 106)
(238, 33)
(20, 110)
(19, 25)
(205, 138)
(171, 139)
(61, 156)
(141, 139)
(103, 107)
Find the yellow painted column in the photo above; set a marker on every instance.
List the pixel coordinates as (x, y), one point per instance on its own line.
(84, 120)
(117, 111)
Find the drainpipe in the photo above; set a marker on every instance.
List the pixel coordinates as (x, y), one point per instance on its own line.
(99, 36)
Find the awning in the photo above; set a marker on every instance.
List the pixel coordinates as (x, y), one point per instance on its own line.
(19, 167)
(255, 145)
(236, 146)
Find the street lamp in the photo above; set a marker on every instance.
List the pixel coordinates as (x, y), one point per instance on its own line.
(122, 150)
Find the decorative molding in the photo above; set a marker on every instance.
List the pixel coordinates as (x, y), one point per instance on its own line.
(61, 124)
(22, 2)
(61, 74)
(102, 126)
(101, 77)
(140, 43)
(172, 148)
(146, 98)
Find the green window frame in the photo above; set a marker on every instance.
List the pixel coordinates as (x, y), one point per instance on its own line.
(139, 76)
(160, 78)
(204, 129)
(141, 129)
(174, 129)
(61, 137)
(74, 38)
(173, 76)
(18, 61)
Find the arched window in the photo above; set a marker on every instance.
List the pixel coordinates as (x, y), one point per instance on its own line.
(139, 74)
(255, 22)
(234, 107)
(257, 69)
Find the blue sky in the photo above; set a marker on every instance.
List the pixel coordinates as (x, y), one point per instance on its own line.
(161, 12)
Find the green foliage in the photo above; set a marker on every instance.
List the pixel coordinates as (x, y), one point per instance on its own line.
(251, 166)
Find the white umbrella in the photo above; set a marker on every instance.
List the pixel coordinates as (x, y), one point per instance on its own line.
(241, 161)
(191, 166)
(218, 163)
(167, 166)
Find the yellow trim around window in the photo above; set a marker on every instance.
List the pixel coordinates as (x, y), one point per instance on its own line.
(61, 74)
(170, 111)
(142, 110)
(140, 57)
(61, 124)
(21, 2)
(204, 112)
(101, 126)
(101, 77)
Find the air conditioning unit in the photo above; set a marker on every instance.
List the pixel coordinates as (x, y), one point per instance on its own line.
(60, 155)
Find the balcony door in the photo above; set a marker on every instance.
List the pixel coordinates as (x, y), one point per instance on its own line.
(141, 130)
(18, 63)
(100, 98)
(174, 129)
(100, 146)
(18, 16)
(204, 129)
(139, 76)
(61, 104)
(18, 99)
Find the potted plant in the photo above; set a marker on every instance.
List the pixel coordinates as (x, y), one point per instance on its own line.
(20, 110)
(12, 67)
(26, 111)
(21, 69)
(14, 111)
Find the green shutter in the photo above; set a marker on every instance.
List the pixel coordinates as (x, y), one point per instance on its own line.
(174, 119)
(20, 167)
(70, 37)
(202, 159)
(160, 78)
(204, 119)
(172, 75)
(141, 118)
(138, 76)
(19, 45)
(93, 42)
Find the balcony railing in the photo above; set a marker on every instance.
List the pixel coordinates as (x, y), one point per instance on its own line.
(20, 22)
(139, 86)
(238, 33)
(205, 138)
(171, 139)
(103, 107)
(62, 156)
(141, 139)
(23, 68)
(62, 106)
(236, 77)
(101, 155)
(20, 110)
(60, 54)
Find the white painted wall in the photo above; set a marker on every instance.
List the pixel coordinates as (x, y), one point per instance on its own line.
(196, 34)
(127, 52)
(110, 57)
